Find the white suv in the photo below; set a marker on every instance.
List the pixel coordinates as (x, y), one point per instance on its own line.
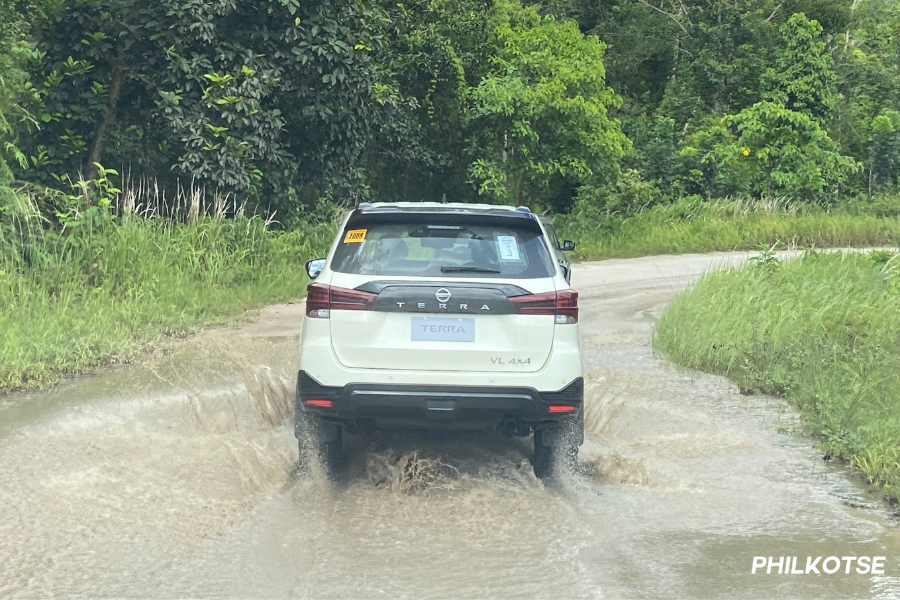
(442, 316)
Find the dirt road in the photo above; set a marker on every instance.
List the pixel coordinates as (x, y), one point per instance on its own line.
(174, 478)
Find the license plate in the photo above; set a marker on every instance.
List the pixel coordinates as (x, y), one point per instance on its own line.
(442, 329)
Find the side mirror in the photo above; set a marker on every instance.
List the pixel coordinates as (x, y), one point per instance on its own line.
(314, 267)
(568, 245)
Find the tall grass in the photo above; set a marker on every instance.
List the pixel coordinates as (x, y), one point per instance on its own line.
(694, 225)
(823, 331)
(73, 299)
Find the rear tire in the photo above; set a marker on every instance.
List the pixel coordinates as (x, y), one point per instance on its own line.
(556, 450)
(319, 441)
(330, 454)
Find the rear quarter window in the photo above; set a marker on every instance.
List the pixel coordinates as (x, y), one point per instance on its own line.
(551, 236)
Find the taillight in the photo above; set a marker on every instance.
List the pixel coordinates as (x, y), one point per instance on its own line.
(321, 403)
(318, 300)
(562, 408)
(321, 299)
(535, 304)
(563, 304)
(567, 306)
(344, 299)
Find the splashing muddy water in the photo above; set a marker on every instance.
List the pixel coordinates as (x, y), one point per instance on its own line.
(176, 478)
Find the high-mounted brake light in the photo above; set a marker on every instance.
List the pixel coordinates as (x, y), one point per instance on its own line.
(321, 299)
(562, 408)
(563, 304)
(316, 402)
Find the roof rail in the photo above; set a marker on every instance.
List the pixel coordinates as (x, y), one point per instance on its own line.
(523, 209)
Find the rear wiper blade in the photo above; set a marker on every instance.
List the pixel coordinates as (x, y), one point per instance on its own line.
(459, 269)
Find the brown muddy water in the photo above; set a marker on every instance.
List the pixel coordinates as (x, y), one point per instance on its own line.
(175, 478)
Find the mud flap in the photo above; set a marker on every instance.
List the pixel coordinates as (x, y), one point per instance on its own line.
(322, 431)
(307, 426)
(570, 432)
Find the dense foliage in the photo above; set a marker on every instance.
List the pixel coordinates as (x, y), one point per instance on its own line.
(613, 105)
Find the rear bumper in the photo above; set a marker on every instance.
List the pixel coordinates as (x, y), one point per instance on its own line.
(437, 406)
(564, 365)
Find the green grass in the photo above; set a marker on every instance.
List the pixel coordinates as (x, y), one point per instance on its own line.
(692, 225)
(106, 291)
(822, 331)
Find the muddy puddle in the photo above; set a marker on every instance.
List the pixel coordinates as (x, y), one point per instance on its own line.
(175, 478)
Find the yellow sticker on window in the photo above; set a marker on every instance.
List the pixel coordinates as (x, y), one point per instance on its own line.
(355, 235)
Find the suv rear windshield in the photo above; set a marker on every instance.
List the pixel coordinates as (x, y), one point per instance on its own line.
(434, 248)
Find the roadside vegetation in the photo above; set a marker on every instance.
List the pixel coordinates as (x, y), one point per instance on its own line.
(696, 225)
(93, 286)
(95, 276)
(821, 331)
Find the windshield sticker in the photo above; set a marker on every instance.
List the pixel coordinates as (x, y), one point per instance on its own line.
(509, 249)
(355, 236)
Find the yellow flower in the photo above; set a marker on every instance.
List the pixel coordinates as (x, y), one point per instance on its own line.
(745, 152)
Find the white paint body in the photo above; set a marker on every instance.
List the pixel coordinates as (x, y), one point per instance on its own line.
(376, 347)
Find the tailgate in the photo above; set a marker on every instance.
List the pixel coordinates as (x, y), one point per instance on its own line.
(442, 326)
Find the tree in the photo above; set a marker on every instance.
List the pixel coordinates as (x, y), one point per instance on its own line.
(884, 150)
(709, 166)
(541, 113)
(16, 52)
(868, 75)
(720, 55)
(436, 51)
(642, 46)
(787, 152)
(653, 153)
(241, 96)
(695, 57)
(803, 79)
(284, 102)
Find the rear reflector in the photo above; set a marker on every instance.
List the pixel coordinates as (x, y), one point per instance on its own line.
(323, 403)
(562, 408)
(563, 304)
(321, 299)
